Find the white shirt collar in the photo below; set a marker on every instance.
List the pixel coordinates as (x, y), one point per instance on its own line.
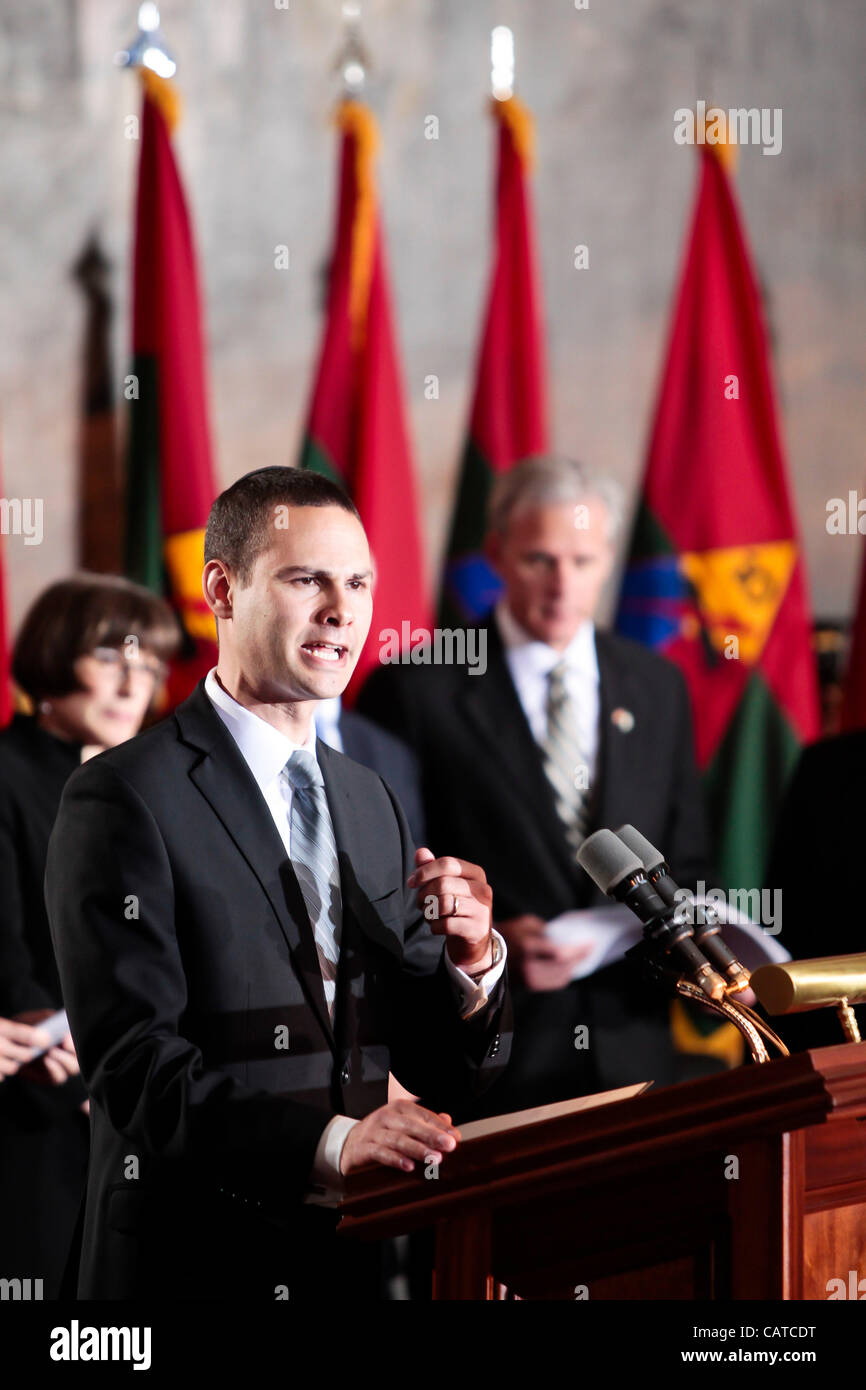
(532, 654)
(265, 749)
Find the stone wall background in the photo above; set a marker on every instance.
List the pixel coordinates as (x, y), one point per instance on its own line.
(258, 159)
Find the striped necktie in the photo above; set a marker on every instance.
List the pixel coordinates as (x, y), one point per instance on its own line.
(564, 761)
(314, 859)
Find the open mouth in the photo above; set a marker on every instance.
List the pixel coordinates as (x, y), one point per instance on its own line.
(325, 652)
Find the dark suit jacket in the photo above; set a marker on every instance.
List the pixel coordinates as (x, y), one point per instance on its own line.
(43, 1134)
(34, 768)
(816, 864)
(373, 746)
(184, 949)
(487, 797)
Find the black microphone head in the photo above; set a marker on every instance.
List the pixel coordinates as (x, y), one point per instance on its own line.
(607, 860)
(649, 856)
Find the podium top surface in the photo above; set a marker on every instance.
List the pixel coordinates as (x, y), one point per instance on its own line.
(791, 1093)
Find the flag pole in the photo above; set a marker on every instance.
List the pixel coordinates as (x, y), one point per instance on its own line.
(502, 63)
(149, 48)
(353, 59)
(357, 429)
(170, 482)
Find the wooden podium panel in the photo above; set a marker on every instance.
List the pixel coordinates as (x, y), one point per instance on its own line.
(835, 1181)
(751, 1184)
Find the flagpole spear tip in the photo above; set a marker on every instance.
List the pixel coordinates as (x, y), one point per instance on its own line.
(353, 60)
(502, 63)
(148, 49)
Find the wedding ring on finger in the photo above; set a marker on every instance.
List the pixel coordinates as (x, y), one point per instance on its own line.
(456, 908)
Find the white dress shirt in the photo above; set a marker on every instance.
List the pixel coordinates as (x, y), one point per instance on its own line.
(531, 662)
(266, 751)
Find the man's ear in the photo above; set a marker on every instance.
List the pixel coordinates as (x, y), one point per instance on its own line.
(217, 586)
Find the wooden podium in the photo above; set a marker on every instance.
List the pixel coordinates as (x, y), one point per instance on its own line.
(751, 1184)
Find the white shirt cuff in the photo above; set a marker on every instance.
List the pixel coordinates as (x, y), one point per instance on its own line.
(473, 995)
(326, 1180)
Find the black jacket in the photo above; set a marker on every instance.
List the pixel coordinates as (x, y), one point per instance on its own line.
(34, 769)
(816, 865)
(43, 1134)
(185, 951)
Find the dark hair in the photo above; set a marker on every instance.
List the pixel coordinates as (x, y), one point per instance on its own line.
(75, 615)
(241, 517)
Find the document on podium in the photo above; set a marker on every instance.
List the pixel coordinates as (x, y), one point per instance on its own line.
(496, 1124)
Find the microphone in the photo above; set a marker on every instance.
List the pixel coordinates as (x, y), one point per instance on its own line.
(620, 875)
(706, 934)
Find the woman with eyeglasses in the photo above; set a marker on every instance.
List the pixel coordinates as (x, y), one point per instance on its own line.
(91, 657)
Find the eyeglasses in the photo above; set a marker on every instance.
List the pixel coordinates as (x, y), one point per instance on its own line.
(151, 669)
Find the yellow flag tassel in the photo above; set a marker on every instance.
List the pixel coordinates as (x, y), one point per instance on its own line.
(518, 118)
(163, 94)
(357, 120)
(725, 150)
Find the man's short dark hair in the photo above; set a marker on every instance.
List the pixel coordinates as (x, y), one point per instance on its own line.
(242, 518)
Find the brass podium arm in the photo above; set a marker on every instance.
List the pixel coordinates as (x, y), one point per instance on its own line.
(763, 1027)
(750, 1024)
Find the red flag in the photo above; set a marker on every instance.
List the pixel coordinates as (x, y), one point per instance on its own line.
(357, 431)
(509, 413)
(716, 577)
(170, 480)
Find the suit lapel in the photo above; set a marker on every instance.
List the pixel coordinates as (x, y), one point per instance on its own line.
(617, 696)
(357, 845)
(225, 781)
(491, 704)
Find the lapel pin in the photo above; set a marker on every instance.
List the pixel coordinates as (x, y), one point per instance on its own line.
(622, 719)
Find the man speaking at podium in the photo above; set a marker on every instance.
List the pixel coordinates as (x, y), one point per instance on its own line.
(242, 933)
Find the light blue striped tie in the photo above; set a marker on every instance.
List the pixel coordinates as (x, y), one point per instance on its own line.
(314, 859)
